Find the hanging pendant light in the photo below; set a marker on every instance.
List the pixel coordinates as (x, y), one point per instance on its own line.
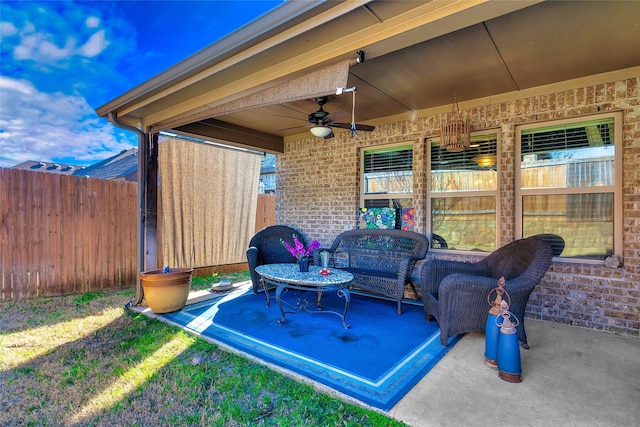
(455, 135)
(485, 160)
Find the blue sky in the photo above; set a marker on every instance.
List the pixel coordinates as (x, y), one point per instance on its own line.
(60, 60)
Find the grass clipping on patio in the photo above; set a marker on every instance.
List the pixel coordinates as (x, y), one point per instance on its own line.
(86, 360)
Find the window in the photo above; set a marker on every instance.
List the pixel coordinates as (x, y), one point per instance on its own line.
(569, 183)
(463, 192)
(387, 178)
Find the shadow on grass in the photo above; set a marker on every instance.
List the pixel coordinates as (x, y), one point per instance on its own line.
(27, 314)
(130, 369)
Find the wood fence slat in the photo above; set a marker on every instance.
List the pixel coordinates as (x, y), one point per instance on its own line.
(65, 261)
(5, 175)
(81, 240)
(19, 239)
(83, 230)
(56, 273)
(35, 231)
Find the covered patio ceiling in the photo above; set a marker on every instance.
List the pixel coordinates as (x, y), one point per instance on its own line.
(419, 55)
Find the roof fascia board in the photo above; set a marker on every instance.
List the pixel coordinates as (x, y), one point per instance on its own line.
(414, 19)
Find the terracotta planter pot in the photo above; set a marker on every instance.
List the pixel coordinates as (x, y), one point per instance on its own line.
(166, 292)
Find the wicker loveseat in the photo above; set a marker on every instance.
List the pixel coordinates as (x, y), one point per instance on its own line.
(265, 248)
(379, 259)
(455, 293)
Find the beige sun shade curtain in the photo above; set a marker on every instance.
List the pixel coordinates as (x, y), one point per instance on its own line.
(322, 82)
(208, 203)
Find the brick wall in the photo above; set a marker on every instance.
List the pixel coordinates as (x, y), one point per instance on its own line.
(318, 194)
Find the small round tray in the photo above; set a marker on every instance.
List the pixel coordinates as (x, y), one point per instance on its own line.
(223, 285)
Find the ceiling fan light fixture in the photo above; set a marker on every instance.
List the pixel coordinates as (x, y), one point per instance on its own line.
(485, 160)
(321, 131)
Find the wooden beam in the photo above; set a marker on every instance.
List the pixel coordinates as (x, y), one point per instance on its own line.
(151, 204)
(233, 135)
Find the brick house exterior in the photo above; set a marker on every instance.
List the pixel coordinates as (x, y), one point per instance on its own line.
(318, 194)
(512, 63)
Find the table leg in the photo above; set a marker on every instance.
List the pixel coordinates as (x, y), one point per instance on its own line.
(344, 293)
(266, 291)
(279, 289)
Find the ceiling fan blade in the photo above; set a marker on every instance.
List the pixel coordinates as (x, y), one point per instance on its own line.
(293, 127)
(290, 117)
(338, 116)
(365, 128)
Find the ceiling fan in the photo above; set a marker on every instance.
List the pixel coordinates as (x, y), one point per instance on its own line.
(323, 122)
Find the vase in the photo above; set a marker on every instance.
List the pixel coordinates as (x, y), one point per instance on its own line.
(324, 259)
(303, 263)
(166, 292)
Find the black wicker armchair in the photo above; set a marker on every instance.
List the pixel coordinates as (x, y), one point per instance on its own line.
(265, 248)
(455, 293)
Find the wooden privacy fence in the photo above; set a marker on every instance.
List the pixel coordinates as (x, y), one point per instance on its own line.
(63, 234)
(266, 211)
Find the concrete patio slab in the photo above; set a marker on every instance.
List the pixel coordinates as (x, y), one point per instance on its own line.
(570, 377)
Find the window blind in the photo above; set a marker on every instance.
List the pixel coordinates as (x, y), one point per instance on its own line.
(463, 160)
(594, 133)
(388, 160)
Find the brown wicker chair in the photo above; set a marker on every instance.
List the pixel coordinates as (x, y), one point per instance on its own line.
(265, 248)
(455, 293)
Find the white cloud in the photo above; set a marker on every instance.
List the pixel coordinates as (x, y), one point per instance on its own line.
(92, 22)
(7, 29)
(21, 86)
(96, 44)
(40, 46)
(51, 51)
(47, 126)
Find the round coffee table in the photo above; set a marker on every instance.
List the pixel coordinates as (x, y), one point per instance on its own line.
(288, 276)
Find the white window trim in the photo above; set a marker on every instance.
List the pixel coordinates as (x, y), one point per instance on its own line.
(617, 187)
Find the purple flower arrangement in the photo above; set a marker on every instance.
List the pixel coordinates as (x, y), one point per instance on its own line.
(298, 250)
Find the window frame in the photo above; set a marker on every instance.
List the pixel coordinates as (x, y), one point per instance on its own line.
(382, 196)
(495, 193)
(520, 193)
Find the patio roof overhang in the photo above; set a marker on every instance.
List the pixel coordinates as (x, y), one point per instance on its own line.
(418, 56)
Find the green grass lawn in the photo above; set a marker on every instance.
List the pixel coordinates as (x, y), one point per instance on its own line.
(205, 282)
(86, 360)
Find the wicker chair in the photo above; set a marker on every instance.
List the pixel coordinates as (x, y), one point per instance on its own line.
(455, 293)
(438, 242)
(265, 248)
(556, 242)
